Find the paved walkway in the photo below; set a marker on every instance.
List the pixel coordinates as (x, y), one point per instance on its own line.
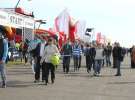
(74, 86)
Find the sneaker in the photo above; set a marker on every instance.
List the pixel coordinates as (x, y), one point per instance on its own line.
(36, 81)
(43, 80)
(99, 74)
(4, 86)
(118, 75)
(52, 81)
(94, 74)
(46, 83)
(88, 71)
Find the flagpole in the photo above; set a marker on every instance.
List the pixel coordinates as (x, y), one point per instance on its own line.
(17, 4)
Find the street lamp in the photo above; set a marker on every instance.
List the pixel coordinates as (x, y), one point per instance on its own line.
(18, 3)
(41, 22)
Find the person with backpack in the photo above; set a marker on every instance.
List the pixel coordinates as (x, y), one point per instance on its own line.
(3, 56)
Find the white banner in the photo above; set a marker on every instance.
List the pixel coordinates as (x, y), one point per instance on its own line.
(3, 18)
(80, 29)
(15, 20)
(62, 22)
(29, 23)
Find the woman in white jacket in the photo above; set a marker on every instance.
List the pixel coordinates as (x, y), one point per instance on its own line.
(49, 51)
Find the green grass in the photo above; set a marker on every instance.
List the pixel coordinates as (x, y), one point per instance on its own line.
(14, 63)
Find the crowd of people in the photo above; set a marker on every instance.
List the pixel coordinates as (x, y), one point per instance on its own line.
(97, 56)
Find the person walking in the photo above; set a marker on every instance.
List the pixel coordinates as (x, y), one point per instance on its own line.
(98, 60)
(87, 56)
(50, 50)
(25, 51)
(39, 50)
(67, 52)
(77, 52)
(133, 57)
(108, 52)
(114, 54)
(3, 56)
(118, 58)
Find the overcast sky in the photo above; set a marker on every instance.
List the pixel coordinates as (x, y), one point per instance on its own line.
(114, 18)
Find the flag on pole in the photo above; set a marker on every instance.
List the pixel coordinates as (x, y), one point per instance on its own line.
(80, 28)
(62, 22)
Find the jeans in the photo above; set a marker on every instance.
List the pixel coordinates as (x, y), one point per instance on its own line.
(98, 65)
(37, 68)
(3, 73)
(108, 61)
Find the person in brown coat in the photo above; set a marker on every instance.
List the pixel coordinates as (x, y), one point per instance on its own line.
(133, 57)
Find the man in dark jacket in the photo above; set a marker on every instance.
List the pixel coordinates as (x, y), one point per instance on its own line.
(90, 53)
(67, 52)
(117, 54)
(38, 53)
(108, 51)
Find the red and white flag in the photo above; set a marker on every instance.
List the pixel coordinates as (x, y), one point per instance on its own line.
(80, 28)
(62, 22)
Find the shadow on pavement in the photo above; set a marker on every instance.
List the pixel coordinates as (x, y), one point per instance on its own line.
(19, 84)
(77, 74)
(122, 82)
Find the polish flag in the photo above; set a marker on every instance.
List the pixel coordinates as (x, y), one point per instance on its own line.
(62, 22)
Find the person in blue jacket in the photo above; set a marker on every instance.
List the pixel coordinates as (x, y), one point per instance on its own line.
(3, 56)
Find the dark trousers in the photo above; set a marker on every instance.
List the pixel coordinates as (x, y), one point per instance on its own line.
(66, 63)
(47, 68)
(80, 60)
(25, 56)
(132, 64)
(114, 62)
(76, 63)
(88, 63)
(118, 63)
(37, 68)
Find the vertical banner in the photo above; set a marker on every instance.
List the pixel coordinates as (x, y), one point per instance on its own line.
(80, 29)
(98, 37)
(62, 22)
